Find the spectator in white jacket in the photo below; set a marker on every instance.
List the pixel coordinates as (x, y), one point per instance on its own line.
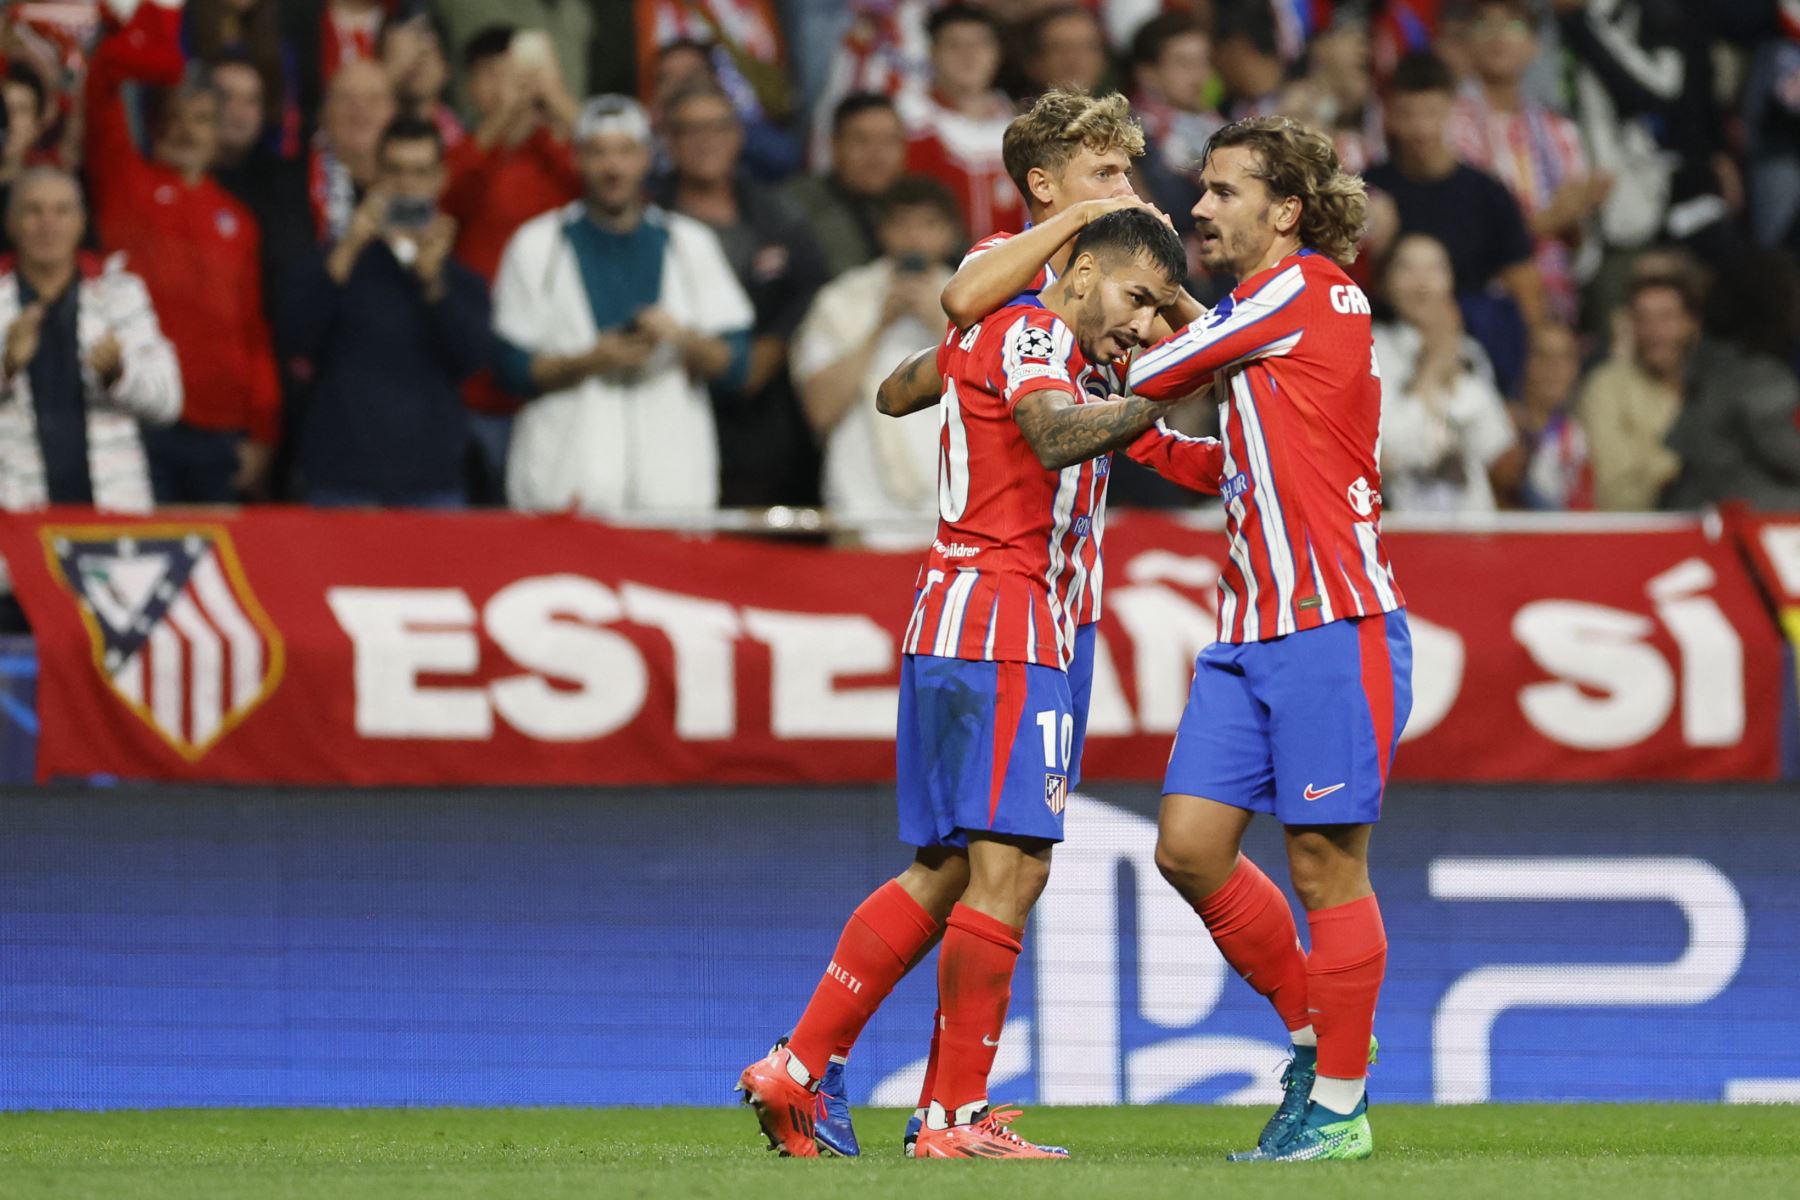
(84, 361)
(611, 317)
(1447, 444)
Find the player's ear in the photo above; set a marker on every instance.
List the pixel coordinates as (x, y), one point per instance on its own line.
(1287, 215)
(1040, 185)
(1086, 272)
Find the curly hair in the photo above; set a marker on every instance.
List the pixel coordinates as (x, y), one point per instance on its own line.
(1293, 160)
(1063, 121)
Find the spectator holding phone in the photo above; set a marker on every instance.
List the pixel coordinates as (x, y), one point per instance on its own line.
(391, 326)
(198, 249)
(859, 327)
(611, 318)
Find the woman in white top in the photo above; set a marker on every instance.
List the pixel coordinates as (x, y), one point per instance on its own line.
(1447, 444)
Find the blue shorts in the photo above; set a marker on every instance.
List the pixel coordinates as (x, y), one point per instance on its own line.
(1303, 727)
(982, 747)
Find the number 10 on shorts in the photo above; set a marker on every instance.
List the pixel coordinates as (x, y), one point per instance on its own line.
(1056, 753)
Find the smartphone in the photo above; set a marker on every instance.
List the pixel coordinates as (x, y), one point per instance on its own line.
(532, 49)
(912, 264)
(409, 212)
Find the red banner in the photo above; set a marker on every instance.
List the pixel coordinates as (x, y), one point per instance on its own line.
(291, 646)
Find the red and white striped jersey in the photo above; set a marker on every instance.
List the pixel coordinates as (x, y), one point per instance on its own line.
(1291, 358)
(1015, 567)
(1044, 278)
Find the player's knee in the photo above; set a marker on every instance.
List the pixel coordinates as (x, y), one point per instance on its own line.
(1322, 872)
(936, 886)
(1189, 867)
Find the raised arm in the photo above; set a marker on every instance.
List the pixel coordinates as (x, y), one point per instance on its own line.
(912, 386)
(990, 276)
(1262, 325)
(147, 49)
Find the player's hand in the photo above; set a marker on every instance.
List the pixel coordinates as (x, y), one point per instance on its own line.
(106, 359)
(1093, 210)
(22, 338)
(620, 350)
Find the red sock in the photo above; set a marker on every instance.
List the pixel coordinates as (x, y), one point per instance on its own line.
(1343, 978)
(975, 970)
(931, 1059)
(1253, 926)
(880, 941)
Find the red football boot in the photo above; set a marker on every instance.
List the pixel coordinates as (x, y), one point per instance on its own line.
(784, 1105)
(987, 1137)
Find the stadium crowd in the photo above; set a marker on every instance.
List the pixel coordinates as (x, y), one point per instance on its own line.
(653, 255)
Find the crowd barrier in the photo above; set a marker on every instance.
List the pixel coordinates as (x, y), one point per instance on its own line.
(225, 946)
(321, 648)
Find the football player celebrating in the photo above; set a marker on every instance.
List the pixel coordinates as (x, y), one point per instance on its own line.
(986, 725)
(1297, 709)
(1071, 157)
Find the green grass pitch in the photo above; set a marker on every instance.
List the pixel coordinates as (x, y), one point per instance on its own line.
(1636, 1152)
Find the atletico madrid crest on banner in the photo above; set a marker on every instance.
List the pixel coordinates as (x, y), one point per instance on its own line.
(177, 634)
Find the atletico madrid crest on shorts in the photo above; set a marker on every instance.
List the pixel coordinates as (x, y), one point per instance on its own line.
(1056, 792)
(175, 630)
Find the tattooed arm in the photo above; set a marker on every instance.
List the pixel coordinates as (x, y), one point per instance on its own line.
(1062, 432)
(912, 386)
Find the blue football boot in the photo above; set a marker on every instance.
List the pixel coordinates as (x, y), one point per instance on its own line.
(1296, 1089)
(1321, 1135)
(831, 1122)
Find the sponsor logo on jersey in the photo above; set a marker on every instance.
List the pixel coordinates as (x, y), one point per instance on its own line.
(1363, 498)
(1083, 525)
(955, 549)
(1234, 487)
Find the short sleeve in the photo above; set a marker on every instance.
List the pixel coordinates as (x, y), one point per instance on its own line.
(983, 246)
(1034, 355)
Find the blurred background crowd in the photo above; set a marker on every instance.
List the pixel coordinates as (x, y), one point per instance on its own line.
(651, 256)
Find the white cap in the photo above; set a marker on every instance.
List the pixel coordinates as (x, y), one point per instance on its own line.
(613, 114)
